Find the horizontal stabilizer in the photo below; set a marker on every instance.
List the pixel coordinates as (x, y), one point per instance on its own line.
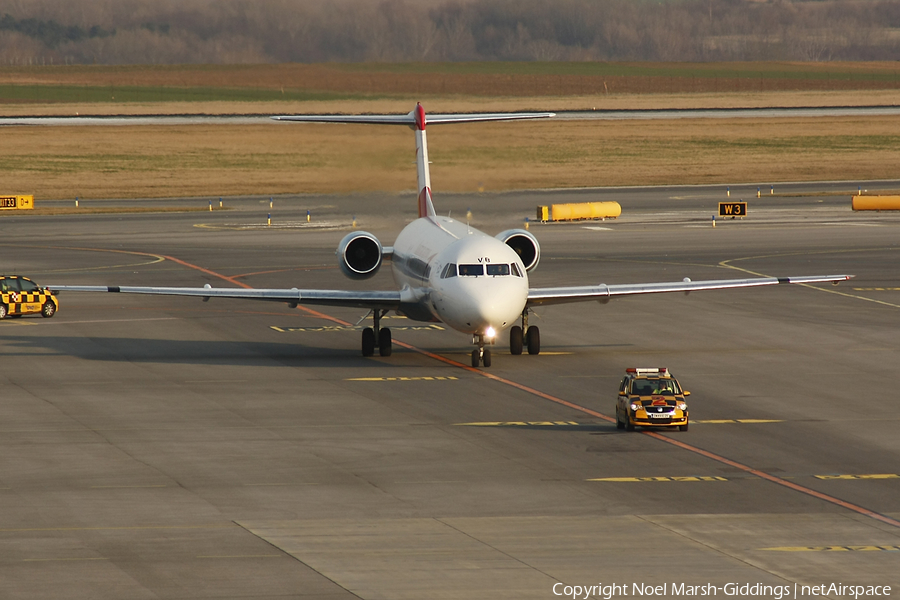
(410, 120)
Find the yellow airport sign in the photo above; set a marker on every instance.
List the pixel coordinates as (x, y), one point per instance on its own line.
(17, 202)
(732, 209)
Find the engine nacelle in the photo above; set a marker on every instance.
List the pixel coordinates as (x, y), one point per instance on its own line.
(359, 255)
(525, 245)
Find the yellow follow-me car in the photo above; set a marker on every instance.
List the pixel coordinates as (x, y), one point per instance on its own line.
(21, 296)
(651, 397)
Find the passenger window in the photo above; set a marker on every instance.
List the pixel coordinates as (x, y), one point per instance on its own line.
(471, 270)
(449, 271)
(28, 286)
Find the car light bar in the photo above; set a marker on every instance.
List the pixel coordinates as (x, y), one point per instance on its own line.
(648, 370)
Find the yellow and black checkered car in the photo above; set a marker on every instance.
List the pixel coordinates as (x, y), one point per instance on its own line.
(21, 296)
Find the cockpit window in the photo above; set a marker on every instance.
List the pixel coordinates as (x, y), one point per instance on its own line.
(498, 269)
(449, 271)
(515, 270)
(471, 270)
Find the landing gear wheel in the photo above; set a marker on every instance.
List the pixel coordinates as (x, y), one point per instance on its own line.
(384, 342)
(619, 424)
(368, 342)
(684, 427)
(533, 340)
(48, 310)
(4, 311)
(486, 357)
(516, 340)
(476, 359)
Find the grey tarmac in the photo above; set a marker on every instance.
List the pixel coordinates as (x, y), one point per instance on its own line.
(170, 448)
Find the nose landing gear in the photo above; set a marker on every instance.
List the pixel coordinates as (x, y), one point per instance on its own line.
(480, 355)
(372, 336)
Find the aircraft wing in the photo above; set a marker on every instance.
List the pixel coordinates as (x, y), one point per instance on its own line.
(354, 299)
(603, 292)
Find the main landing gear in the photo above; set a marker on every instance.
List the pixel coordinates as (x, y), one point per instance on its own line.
(377, 336)
(524, 337)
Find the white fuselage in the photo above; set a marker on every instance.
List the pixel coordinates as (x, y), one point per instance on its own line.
(453, 273)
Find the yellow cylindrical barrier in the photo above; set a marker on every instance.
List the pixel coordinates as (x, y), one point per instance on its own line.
(585, 210)
(876, 203)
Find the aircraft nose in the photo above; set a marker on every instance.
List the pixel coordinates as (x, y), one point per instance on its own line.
(495, 306)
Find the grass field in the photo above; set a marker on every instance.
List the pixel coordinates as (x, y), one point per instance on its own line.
(282, 158)
(287, 158)
(369, 81)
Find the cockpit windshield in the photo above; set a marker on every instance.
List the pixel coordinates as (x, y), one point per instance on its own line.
(496, 270)
(471, 270)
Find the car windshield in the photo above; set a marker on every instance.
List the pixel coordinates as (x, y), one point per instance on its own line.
(471, 270)
(655, 387)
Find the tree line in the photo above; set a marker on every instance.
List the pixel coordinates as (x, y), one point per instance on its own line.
(310, 31)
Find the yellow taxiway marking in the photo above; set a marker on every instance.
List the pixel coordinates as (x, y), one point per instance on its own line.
(243, 556)
(870, 476)
(834, 549)
(126, 487)
(355, 328)
(435, 378)
(59, 559)
(876, 289)
(519, 424)
(742, 421)
(641, 479)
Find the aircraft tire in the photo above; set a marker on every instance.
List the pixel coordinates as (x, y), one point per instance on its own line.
(533, 340)
(384, 342)
(476, 360)
(516, 340)
(368, 341)
(486, 358)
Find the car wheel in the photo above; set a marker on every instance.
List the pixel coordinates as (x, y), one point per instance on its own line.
(683, 427)
(619, 423)
(48, 310)
(629, 426)
(516, 340)
(4, 311)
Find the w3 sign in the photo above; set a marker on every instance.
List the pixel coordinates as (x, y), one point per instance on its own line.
(732, 209)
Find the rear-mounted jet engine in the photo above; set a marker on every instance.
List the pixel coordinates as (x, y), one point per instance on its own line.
(359, 255)
(525, 245)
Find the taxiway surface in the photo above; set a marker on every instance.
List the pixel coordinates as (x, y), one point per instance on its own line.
(169, 448)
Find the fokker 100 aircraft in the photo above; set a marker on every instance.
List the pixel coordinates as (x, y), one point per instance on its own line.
(447, 271)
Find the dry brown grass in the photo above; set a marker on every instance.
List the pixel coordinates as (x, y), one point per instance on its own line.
(280, 158)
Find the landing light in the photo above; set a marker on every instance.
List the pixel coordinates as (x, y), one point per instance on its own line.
(489, 332)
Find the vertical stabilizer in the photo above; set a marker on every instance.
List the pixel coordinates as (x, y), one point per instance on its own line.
(426, 207)
(416, 120)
